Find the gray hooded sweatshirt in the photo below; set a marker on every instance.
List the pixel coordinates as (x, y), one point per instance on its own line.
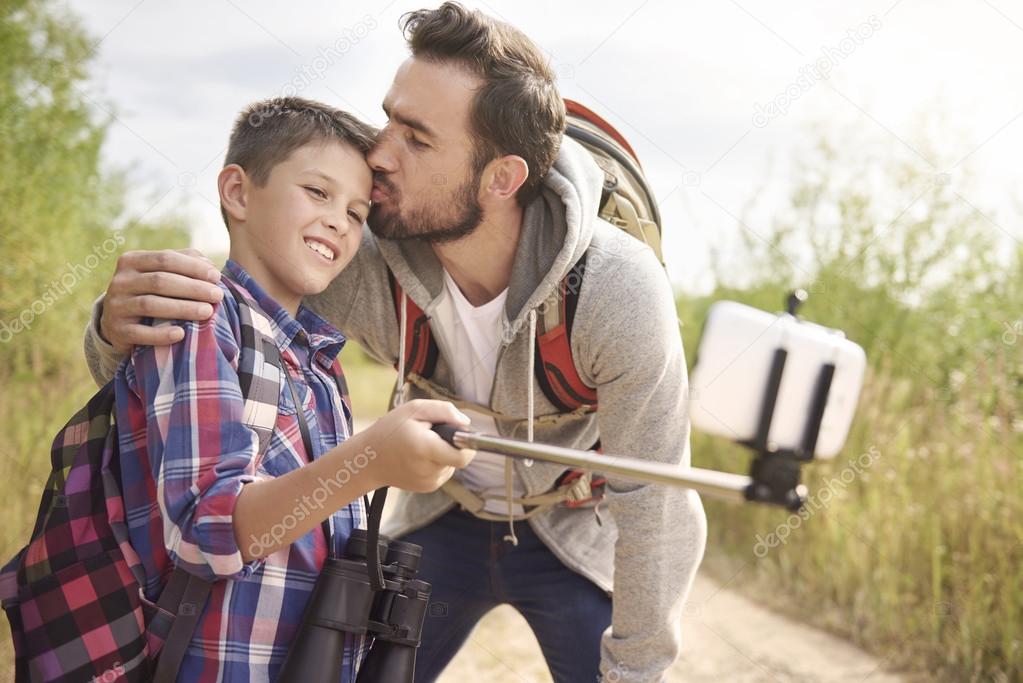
(625, 343)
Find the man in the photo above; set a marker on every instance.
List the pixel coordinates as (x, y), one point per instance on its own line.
(480, 211)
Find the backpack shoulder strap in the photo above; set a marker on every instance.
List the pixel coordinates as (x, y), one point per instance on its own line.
(555, 370)
(421, 350)
(186, 594)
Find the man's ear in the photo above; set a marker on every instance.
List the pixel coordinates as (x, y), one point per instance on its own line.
(233, 185)
(504, 176)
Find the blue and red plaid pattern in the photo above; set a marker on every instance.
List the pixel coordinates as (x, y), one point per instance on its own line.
(72, 595)
(186, 453)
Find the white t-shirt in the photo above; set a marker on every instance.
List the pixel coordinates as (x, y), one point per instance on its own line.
(472, 336)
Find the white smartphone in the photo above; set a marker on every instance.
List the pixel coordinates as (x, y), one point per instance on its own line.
(733, 362)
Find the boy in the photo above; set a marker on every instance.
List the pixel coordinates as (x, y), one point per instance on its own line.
(198, 492)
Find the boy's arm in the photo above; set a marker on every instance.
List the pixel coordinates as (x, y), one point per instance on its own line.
(201, 453)
(220, 514)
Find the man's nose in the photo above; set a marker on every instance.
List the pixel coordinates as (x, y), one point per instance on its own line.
(381, 157)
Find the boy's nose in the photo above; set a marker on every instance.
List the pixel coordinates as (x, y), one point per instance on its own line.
(334, 223)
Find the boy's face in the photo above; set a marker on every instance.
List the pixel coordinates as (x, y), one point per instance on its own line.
(304, 225)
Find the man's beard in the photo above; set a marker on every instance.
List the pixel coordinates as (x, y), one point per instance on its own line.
(430, 222)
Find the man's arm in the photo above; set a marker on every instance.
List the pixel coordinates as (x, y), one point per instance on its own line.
(100, 356)
(181, 285)
(635, 359)
(170, 285)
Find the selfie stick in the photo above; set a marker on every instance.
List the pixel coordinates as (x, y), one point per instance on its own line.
(774, 473)
(720, 484)
(732, 487)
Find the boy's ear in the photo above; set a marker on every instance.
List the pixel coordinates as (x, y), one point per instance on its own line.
(233, 185)
(503, 176)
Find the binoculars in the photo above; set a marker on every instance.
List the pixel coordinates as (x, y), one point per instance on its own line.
(345, 603)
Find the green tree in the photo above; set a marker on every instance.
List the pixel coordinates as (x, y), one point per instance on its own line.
(62, 226)
(59, 207)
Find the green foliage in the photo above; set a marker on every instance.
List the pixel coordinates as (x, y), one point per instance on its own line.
(918, 557)
(369, 383)
(62, 227)
(61, 216)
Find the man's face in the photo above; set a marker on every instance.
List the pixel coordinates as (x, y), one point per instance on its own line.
(425, 183)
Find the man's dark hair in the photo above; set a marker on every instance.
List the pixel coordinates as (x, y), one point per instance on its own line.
(519, 109)
(267, 132)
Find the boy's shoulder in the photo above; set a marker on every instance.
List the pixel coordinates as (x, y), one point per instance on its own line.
(240, 311)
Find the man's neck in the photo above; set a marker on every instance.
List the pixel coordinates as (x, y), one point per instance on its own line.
(481, 264)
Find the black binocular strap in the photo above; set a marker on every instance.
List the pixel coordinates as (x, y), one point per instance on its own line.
(373, 559)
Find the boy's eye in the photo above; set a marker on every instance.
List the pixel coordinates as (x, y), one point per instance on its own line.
(357, 217)
(317, 192)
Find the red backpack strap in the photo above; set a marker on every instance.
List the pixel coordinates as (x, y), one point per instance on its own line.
(554, 368)
(421, 350)
(573, 108)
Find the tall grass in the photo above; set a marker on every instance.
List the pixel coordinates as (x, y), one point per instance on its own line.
(919, 557)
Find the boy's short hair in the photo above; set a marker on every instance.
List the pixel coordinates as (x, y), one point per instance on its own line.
(267, 132)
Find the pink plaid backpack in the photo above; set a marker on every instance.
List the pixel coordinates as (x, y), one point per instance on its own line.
(73, 594)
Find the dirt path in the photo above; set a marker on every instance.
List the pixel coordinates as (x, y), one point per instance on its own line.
(726, 638)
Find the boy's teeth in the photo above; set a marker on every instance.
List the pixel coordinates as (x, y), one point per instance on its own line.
(321, 249)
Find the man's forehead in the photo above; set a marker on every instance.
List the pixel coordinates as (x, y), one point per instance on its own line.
(437, 95)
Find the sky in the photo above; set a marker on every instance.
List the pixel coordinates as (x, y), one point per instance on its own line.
(717, 98)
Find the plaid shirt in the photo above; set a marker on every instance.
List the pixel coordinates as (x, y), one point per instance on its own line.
(185, 456)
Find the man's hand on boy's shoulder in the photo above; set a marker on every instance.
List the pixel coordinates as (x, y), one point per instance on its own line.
(167, 284)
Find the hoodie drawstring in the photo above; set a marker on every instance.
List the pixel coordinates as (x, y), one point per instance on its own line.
(531, 369)
(400, 391)
(508, 472)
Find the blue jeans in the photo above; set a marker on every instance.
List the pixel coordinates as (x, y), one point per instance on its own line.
(473, 569)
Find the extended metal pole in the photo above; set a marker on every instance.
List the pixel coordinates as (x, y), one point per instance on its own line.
(723, 485)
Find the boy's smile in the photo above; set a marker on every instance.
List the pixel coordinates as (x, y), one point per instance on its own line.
(300, 229)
